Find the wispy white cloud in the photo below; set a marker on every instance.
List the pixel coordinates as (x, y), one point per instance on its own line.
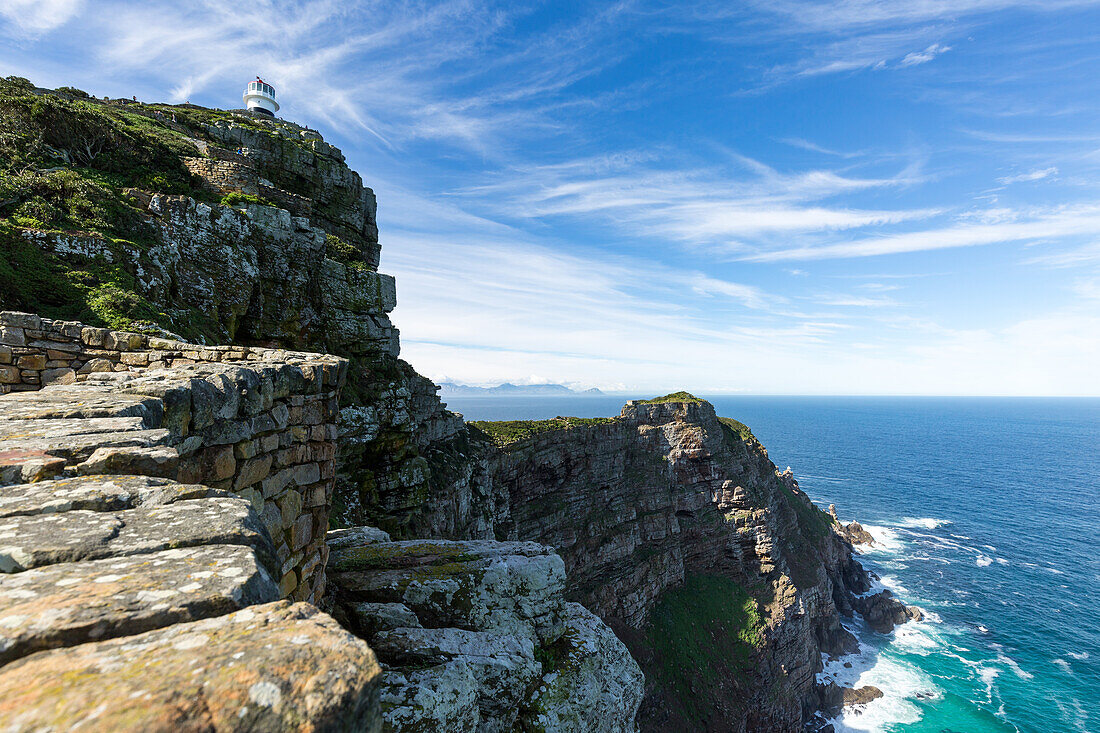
(703, 205)
(854, 301)
(845, 15)
(1054, 224)
(922, 57)
(1074, 257)
(1035, 175)
(33, 18)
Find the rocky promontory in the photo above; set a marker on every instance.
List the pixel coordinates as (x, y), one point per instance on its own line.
(226, 503)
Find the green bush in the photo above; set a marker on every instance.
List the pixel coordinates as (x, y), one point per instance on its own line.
(236, 198)
(339, 250)
(504, 432)
(674, 397)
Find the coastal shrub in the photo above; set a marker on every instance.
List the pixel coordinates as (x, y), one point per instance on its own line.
(46, 130)
(735, 429)
(341, 251)
(673, 397)
(701, 637)
(506, 432)
(236, 198)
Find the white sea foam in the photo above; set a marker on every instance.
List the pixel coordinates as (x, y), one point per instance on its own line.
(1014, 666)
(1079, 655)
(900, 682)
(890, 582)
(886, 540)
(931, 617)
(1063, 664)
(983, 561)
(926, 522)
(915, 638)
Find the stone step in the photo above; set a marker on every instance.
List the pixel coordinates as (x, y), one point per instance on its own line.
(73, 603)
(30, 541)
(97, 494)
(276, 667)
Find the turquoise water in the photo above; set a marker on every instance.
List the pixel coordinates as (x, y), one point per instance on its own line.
(987, 513)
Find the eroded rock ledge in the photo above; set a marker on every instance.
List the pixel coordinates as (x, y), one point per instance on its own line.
(477, 636)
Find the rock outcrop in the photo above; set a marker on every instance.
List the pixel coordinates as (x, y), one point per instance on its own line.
(477, 636)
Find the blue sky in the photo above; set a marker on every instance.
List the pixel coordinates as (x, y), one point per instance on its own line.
(850, 197)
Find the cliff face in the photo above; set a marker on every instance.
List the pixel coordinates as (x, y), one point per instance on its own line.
(668, 494)
(674, 529)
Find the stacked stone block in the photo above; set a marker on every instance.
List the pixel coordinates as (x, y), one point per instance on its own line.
(257, 423)
(237, 174)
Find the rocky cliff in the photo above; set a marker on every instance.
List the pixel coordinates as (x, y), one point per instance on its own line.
(724, 579)
(498, 571)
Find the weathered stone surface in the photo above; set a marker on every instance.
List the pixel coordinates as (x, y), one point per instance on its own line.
(159, 461)
(595, 687)
(443, 697)
(30, 541)
(510, 587)
(883, 611)
(355, 537)
(505, 598)
(73, 603)
(97, 494)
(503, 666)
(277, 667)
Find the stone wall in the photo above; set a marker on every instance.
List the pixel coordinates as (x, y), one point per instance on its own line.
(239, 175)
(257, 423)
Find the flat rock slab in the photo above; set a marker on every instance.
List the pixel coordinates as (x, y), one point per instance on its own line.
(74, 603)
(504, 666)
(97, 494)
(47, 539)
(80, 401)
(509, 587)
(277, 667)
(79, 447)
(439, 698)
(52, 428)
(594, 686)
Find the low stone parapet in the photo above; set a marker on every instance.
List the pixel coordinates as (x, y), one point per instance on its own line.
(254, 422)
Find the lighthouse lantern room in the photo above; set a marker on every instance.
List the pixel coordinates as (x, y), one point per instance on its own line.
(260, 97)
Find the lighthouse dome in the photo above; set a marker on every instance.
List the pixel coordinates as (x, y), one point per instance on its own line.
(259, 96)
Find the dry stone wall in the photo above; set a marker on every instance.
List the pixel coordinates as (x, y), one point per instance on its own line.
(257, 423)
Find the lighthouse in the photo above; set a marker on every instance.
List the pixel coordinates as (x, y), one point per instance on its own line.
(260, 97)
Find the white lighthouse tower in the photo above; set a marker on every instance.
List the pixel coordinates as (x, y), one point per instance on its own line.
(260, 97)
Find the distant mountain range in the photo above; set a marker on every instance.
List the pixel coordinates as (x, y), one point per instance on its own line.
(450, 388)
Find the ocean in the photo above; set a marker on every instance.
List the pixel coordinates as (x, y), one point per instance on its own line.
(987, 517)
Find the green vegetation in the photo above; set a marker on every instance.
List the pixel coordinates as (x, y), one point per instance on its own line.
(674, 397)
(802, 549)
(236, 198)
(703, 638)
(814, 523)
(739, 430)
(341, 251)
(95, 292)
(510, 431)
